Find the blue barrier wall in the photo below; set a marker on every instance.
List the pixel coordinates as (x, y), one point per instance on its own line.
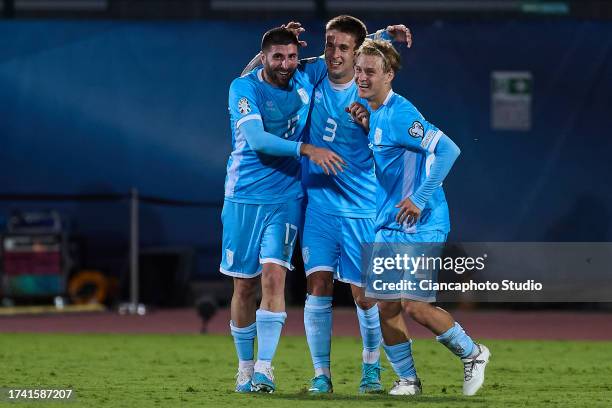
(100, 107)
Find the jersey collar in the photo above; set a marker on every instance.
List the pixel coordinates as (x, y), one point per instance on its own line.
(340, 87)
(389, 95)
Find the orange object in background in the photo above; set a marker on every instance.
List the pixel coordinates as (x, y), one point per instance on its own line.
(88, 286)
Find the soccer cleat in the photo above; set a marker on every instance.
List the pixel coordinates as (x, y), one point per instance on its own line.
(370, 378)
(404, 386)
(321, 384)
(474, 370)
(263, 382)
(243, 380)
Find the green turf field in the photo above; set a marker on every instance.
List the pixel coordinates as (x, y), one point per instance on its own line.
(197, 371)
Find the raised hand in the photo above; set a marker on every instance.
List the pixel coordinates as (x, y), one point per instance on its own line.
(297, 29)
(400, 33)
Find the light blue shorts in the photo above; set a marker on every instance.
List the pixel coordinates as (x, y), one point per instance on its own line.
(399, 242)
(255, 234)
(333, 243)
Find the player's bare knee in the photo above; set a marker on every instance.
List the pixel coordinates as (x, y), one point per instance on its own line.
(272, 285)
(246, 288)
(418, 311)
(320, 284)
(362, 301)
(273, 279)
(364, 304)
(389, 310)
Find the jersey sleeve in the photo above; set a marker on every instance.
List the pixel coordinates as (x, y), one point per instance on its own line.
(264, 142)
(409, 129)
(243, 101)
(446, 154)
(381, 34)
(315, 68)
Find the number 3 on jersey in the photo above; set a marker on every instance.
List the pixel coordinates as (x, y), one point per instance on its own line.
(330, 130)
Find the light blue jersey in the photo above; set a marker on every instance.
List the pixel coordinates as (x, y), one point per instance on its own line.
(403, 143)
(256, 178)
(350, 193)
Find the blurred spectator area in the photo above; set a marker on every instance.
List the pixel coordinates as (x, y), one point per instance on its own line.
(252, 9)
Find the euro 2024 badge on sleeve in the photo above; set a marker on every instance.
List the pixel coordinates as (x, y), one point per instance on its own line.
(243, 106)
(416, 130)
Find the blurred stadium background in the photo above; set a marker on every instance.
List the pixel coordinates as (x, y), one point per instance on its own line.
(114, 138)
(115, 134)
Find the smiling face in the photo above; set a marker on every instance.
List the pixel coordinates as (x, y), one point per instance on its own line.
(279, 64)
(373, 82)
(340, 55)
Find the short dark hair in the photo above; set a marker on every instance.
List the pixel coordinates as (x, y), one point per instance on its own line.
(349, 25)
(278, 36)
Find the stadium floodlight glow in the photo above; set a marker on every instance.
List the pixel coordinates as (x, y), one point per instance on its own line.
(61, 5)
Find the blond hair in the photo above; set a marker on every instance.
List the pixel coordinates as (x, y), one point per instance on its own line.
(390, 57)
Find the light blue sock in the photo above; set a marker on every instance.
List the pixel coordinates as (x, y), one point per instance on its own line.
(318, 326)
(400, 357)
(244, 339)
(457, 341)
(269, 326)
(369, 326)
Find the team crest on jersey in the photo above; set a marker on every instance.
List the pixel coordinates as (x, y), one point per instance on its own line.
(243, 106)
(306, 254)
(318, 96)
(229, 257)
(377, 136)
(417, 129)
(303, 95)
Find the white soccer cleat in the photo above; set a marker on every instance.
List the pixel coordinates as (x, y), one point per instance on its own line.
(474, 370)
(405, 386)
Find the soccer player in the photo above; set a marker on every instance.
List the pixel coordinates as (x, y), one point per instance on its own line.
(412, 158)
(262, 207)
(341, 209)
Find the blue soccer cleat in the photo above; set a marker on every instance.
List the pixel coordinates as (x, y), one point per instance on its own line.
(243, 380)
(263, 382)
(370, 378)
(321, 384)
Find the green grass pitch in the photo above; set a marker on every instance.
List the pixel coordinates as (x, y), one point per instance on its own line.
(197, 371)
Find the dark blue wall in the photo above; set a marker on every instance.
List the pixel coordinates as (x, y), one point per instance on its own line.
(99, 107)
